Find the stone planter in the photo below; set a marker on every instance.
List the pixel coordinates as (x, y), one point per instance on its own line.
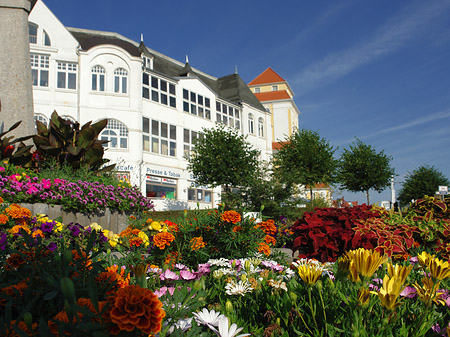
(113, 221)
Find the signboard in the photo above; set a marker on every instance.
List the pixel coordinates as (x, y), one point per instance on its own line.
(443, 190)
(154, 179)
(169, 181)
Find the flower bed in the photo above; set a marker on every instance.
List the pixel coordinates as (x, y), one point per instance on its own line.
(188, 279)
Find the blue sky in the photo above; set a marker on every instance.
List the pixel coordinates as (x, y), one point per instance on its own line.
(376, 70)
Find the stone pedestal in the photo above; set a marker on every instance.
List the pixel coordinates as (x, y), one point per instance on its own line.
(16, 91)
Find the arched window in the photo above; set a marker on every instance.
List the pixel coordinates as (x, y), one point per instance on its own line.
(32, 32)
(120, 80)
(251, 127)
(117, 134)
(41, 118)
(47, 41)
(98, 78)
(260, 127)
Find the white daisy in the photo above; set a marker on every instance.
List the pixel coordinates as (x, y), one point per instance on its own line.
(277, 284)
(222, 262)
(229, 331)
(209, 318)
(240, 288)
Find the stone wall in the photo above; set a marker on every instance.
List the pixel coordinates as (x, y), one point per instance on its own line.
(113, 221)
(16, 92)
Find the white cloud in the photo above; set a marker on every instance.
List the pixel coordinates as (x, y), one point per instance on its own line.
(390, 37)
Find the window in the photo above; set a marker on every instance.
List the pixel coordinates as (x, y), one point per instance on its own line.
(116, 133)
(199, 195)
(39, 69)
(251, 128)
(260, 127)
(158, 90)
(196, 104)
(161, 188)
(67, 75)
(41, 118)
(257, 90)
(47, 39)
(159, 137)
(120, 80)
(274, 87)
(32, 32)
(228, 115)
(147, 62)
(98, 78)
(189, 138)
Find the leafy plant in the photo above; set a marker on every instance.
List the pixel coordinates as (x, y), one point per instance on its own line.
(64, 141)
(8, 151)
(327, 233)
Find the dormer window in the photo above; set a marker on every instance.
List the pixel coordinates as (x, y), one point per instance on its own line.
(257, 90)
(32, 32)
(274, 87)
(147, 62)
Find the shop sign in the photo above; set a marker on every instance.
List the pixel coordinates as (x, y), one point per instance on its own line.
(169, 181)
(154, 179)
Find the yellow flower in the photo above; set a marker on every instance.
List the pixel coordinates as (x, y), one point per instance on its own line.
(353, 273)
(401, 272)
(363, 296)
(95, 226)
(144, 238)
(425, 259)
(427, 292)
(155, 225)
(310, 273)
(440, 270)
(58, 227)
(392, 287)
(113, 238)
(367, 261)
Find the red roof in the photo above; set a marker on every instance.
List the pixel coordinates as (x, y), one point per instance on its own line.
(278, 145)
(266, 77)
(272, 95)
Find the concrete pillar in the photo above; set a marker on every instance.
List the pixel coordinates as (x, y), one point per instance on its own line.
(16, 91)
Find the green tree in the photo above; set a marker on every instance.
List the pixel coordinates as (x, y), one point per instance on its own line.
(361, 168)
(223, 157)
(306, 159)
(424, 180)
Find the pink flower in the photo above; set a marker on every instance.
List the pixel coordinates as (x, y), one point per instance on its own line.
(187, 275)
(409, 292)
(2, 169)
(169, 275)
(46, 183)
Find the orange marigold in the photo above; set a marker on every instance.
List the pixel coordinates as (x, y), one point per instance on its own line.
(3, 219)
(237, 229)
(231, 216)
(12, 291)
(38, 232)
(17, 212)
(270, 240)
(267, 226)
(16, 229)
(135, 307)
(172, 258)
(163, 239)
(263, 248)
(14, 261)
(197, 243)
(113, 276)
(22, 326)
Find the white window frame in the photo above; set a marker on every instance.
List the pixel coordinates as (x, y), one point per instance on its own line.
(40, 65)
(260, 127)
(257, 90)
(196, 104)
(32, 37)
(199, 195)
(67, 74)
(98, 77)
(228, 115)
(274, 87)
(159, 137)
(41, 118)
(46, 41)
(251, 124)
(117, 134)
(120, 81)
(159, 90)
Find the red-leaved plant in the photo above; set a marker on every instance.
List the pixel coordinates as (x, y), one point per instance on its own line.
(327, 233)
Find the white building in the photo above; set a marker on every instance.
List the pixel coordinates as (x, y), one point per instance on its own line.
(155, 105)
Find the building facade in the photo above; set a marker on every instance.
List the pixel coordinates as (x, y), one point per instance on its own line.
(277, 97)
(155, 105)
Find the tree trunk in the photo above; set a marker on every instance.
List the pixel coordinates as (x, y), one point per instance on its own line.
(367, 196)
(311, 194)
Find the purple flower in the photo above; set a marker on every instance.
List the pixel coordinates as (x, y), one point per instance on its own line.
(3, 240)
(409, 292)
(47, 227)
(75, 229)
(52, 246)
(169, 275)
(187, 275)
